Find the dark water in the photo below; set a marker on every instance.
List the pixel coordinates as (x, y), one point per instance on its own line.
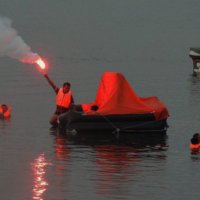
(148, 41)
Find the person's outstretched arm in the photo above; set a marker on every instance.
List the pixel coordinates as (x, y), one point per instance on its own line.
(51, 83)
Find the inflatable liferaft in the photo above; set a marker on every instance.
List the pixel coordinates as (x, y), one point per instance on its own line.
(117, 108)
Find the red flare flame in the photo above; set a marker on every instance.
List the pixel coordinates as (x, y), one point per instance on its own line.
(41, 63)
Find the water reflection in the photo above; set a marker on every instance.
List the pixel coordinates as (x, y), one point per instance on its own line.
(116, 163)
(39, 171)
(195, 84)
(4, 123)
(61, 148)
(194, 89)
(62, 155)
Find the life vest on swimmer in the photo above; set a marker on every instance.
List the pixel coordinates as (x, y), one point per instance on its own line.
(63, 99)
(194, 147)
(6, 114)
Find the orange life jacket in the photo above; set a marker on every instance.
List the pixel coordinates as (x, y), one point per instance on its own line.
(194, 146)
(6, 114)
(63, 99)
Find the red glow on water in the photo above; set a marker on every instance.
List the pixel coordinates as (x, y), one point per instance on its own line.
(39, 171)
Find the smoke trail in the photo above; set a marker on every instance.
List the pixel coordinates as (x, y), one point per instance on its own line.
(12, 45)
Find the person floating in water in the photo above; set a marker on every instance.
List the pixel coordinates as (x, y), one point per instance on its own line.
(64, 99)
(195, 143)
(5, 111)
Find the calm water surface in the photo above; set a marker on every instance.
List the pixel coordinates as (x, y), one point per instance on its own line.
(148, 41)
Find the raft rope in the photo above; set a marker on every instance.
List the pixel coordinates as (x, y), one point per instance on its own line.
(116, 129)
(125, 129)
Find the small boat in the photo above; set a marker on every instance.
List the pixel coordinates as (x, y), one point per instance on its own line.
(195, 56)
(116, 109)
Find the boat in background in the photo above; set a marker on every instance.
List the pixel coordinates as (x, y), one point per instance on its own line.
(116, 109)
(195, 55)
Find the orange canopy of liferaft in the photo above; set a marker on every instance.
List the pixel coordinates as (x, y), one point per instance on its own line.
(116, 97)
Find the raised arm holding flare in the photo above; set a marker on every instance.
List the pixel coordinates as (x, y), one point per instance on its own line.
(64, 99)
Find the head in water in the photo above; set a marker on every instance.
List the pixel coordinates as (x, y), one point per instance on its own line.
(66, 87)
(4, 108)
(196, 138)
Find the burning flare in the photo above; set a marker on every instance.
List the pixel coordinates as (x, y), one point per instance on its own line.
(41, 63)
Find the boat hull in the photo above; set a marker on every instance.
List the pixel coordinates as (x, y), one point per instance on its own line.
(73, 121)
(195, 56)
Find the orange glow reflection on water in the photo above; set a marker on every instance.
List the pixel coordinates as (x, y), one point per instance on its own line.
(39, 171)
(114, 164)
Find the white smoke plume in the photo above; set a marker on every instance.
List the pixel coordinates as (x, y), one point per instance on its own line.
(12, 45)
